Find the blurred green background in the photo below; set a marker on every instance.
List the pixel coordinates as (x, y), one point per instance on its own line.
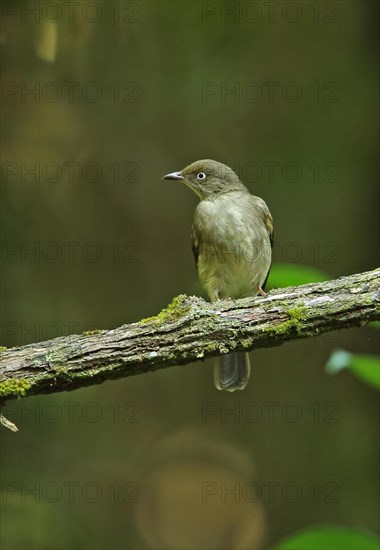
(125, 92)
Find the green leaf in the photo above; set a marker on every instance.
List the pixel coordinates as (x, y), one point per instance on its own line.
(283, 275)
(330, 538)
(365, 367)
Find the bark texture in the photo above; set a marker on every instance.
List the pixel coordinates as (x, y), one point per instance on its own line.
(188, 330)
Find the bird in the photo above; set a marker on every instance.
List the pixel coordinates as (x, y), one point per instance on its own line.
(232, 241)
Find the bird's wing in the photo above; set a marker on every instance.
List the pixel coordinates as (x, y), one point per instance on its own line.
(195, 243)
(262, 211)
(268, 221)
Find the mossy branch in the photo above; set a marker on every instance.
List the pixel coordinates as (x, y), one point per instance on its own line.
(188, 330)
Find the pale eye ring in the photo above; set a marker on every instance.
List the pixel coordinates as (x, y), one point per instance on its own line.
(201, 176)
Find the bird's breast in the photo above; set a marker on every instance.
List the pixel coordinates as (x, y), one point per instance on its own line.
(234, 247)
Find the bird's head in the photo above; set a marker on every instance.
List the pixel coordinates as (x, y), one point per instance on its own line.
(207, 178)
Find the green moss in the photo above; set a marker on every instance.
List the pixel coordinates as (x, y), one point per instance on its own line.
(3, 348)
(16, 387)
(296, 315)
(90, 332)
(62, 372)
(56, 359)
(246, 342)
(175, 310)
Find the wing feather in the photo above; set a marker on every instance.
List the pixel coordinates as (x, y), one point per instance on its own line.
(195, 244)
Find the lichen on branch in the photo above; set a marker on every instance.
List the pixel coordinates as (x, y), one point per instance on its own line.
(188, 330)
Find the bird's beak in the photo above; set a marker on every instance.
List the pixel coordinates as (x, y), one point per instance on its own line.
(173, 176)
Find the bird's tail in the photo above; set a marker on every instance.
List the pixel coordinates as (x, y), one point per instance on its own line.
(231, 372)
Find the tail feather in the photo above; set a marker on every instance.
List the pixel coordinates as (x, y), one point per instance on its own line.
(231, 372)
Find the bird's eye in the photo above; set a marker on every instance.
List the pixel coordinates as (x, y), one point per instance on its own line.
(201, 176)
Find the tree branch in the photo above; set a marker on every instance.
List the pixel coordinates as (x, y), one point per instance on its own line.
(188, 330)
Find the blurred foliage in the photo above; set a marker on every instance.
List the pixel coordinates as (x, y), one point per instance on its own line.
(282, 275)
(365, 367)
(331, 538)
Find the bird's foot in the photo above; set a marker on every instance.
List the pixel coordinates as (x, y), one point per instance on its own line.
(261, 292)
(215, 296)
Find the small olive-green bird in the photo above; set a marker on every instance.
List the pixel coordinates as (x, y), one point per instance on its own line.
(232, 238)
